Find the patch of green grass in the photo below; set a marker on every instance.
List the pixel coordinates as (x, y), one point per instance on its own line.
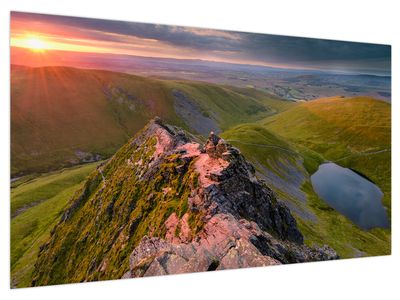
(31, 228)
(46, 186)
(311, 159)
(276, 104)
(336, 126)
(262, 146)
(18, 181)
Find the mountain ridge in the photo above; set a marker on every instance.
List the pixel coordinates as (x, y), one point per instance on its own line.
(165, 204)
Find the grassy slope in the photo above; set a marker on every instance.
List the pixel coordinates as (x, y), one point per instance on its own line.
(125, 208)
(58, 110)
(270, 100)
(261, 146)
(343, 130)
(31, 228)
(330, 227)
(44, 187)
(230, 105)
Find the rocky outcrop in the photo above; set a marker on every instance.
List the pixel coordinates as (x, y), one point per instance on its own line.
(244, 224)
(237, 191)
(225, 243)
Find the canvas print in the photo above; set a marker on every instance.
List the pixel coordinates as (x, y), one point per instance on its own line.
(144, 149)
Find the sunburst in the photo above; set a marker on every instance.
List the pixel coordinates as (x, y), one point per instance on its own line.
(35, 43)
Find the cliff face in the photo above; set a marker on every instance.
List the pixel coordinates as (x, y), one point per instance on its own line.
(165, 204)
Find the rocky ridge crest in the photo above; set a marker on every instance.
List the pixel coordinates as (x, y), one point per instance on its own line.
(244, 224)
(167, 203)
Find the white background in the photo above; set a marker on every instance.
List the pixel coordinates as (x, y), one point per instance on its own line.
(365, 21)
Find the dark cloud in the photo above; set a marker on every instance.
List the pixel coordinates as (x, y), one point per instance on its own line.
(262, 48)
(351, 56)
(314, 49)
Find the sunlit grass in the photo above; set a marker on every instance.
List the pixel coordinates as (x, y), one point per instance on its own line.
(31, 228)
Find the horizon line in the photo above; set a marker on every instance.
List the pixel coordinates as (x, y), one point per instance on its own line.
(337, 72)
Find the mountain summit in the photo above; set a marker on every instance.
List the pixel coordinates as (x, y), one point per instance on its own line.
(166, 204)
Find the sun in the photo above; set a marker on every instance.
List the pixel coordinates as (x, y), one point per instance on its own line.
(35, 44)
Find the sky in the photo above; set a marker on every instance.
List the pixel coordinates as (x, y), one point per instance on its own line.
(44, 33)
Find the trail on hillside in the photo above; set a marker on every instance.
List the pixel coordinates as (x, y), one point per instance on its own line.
(363, 154)
(263, 145)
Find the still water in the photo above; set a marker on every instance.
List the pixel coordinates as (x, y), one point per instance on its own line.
(350, 194)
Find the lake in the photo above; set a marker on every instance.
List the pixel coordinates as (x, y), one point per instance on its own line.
(350, 194)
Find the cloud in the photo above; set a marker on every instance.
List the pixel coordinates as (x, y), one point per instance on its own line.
(218, 45)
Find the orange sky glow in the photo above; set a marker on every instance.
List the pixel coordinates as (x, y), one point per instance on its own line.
(61, 38)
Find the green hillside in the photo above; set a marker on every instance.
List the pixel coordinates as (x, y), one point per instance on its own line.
(286, 167)
(265, 98)
(355, 132)
(62, 116)
(44, 199)
(114, 209)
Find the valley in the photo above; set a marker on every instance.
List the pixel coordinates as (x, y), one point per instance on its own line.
(288, 84)
(56, 126)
